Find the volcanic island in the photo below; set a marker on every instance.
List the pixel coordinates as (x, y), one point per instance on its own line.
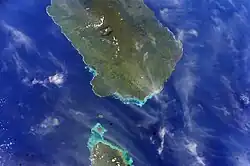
(129, 52)
(104, 153)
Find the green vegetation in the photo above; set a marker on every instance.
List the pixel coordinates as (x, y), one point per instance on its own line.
(103, 153)
(131, 53)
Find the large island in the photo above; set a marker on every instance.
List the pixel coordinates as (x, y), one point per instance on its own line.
(122, 43)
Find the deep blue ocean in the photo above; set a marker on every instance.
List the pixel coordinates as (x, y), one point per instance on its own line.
(201, 118)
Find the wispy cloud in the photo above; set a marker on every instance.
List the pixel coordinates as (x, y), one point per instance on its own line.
(47, 126)
(17, 37)
(191, 146)
(10, 57)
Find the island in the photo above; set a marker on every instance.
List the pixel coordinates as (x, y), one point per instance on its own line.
(129, 52)
(104, 153)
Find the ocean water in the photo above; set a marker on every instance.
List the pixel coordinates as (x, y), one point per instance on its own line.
(201, 117)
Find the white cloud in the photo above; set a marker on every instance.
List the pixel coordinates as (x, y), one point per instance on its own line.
(245, 99)
(193, 32)
(56, 79)
(162, 133)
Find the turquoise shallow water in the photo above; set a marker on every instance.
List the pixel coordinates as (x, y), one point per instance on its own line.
(201, 117)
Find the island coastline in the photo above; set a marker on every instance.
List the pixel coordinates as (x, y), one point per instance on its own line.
(97, 136)
(124, 100)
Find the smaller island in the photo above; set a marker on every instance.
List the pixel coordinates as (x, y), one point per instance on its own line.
(104, 153)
